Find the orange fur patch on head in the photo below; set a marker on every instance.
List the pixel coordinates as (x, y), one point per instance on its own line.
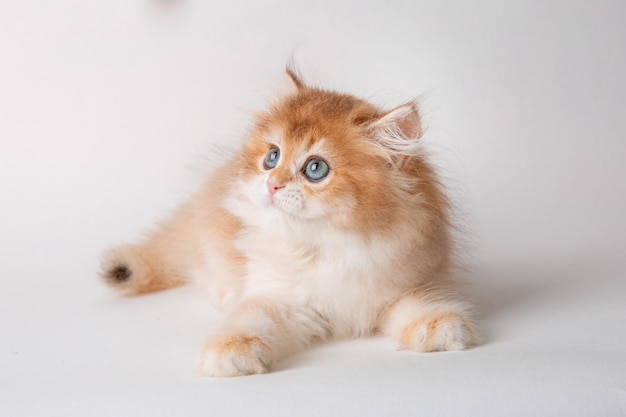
(365, 191)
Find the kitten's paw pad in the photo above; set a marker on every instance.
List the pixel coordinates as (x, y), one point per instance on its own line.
(442, 332)
(234, 356)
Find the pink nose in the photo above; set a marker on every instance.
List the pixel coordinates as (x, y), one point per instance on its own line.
(273, 186)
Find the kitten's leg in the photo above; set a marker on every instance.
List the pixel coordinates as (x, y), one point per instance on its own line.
(256, 335)
(428, 320)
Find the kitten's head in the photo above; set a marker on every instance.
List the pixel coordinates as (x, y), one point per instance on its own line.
(322, 155)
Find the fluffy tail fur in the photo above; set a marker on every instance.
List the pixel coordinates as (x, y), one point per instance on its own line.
(138, 269)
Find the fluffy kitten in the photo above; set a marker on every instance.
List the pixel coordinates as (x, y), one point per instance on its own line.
(330, 223)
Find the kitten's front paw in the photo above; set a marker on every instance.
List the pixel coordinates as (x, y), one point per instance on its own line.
(439, 332)
(234, 356)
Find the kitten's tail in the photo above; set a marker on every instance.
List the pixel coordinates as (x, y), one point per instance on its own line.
(137, 269)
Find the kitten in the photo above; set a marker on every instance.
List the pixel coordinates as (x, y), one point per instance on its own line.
(330, 223)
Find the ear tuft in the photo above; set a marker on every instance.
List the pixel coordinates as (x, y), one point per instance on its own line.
(294, 76)
(404, 119)
(398, 131)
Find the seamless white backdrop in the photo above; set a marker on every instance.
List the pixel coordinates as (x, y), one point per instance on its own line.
(109, 111)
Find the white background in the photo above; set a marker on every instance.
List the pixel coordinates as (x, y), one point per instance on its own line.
(108, 114)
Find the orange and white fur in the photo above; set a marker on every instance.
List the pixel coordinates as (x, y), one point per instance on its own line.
(328, 224)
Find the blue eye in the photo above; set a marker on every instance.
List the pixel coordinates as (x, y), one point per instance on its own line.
(272, 157)
(316, 169)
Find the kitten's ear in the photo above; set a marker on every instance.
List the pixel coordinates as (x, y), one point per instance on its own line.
(295, 77)
(397, 132)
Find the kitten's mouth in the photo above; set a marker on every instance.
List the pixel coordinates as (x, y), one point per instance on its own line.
(272, 202)
(276, 204)
(286, 205)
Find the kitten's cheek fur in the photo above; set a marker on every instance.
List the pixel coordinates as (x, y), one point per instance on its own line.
(239, 355)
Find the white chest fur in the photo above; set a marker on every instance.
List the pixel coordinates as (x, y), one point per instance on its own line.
(341, 276)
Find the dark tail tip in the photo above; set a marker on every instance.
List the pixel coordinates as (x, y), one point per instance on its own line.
(119, 274)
